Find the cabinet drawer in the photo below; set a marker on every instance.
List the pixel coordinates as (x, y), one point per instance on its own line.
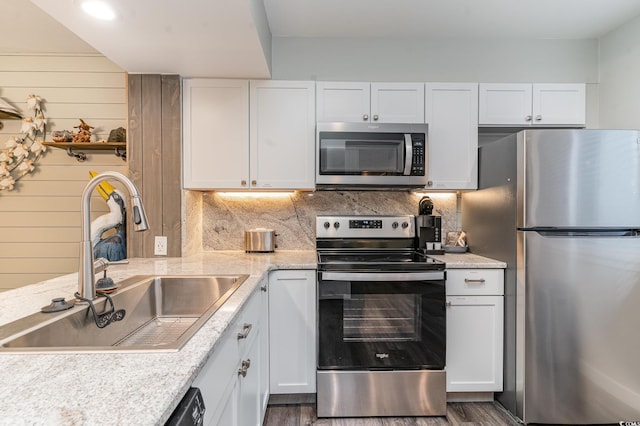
(475, 281)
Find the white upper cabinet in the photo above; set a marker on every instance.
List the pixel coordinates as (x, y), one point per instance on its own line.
(239, 135)
(282, 128)
(397, 102)
(370, 102)
(451, 110)
(215, 133)
(524, 105)
(343, 102)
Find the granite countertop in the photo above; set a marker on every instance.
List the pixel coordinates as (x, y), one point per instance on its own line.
(121, 388)
(133, 388)
(468, 261)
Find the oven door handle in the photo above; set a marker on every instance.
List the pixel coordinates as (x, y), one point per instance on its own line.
(382, 276)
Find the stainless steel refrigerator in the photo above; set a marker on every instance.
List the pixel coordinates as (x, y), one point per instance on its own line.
(562, 209)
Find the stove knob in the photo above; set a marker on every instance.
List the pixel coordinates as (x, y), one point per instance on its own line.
(327, 225)
(336, 225)
(394, 225)
(405, 225)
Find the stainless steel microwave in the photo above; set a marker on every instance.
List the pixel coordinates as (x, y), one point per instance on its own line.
(371, 156)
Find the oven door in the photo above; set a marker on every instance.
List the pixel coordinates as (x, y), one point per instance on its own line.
(381, 320)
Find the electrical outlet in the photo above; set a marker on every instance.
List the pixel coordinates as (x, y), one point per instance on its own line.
(160, 248)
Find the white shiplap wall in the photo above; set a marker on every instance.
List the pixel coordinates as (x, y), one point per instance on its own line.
(40, 218)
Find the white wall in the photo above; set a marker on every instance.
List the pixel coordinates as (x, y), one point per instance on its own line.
(620, 77)
(40, 218)
(513, 60)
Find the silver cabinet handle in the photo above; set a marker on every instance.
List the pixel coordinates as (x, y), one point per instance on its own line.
(365, 117)
(246, 329)
(538, 117)
(429, 183)
(375, 117)
(449, 304)
(476, 281)
(243, 182)
(242, 371)
(527, 118)
(254, 182)
(263, 288)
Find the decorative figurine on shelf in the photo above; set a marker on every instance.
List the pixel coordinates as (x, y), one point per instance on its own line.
(118, 135)
(83, 135)
(112, 247)
(61, 136)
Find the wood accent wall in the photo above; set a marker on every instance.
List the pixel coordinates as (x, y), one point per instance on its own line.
(40, 218)
(154, 155)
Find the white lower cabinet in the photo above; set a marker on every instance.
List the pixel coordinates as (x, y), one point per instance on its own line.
(475, 323)
(292, 331)
(230, 381)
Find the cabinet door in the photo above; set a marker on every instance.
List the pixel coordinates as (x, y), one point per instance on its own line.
(292, 332)
(397, 102)
(474, 343)
(451, 111)
(344, 102)
(215, 134)
(505, 104)
(264, 347)
(249, 403)
(559, 104)
(282, 148)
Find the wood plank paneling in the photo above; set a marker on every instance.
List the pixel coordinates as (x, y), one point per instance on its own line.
(171, 160)
(40, 219)
(71, 95)
(61, 79)
(152, 160)
(11, 281)
(135, 155)
(155, 158)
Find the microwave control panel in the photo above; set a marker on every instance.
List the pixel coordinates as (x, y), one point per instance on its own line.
(418, 161)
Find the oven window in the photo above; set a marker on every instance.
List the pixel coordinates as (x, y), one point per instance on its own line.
(381, 324)
(377, 317)
(356, 157)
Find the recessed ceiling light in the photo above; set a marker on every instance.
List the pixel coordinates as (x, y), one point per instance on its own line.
(99, 10)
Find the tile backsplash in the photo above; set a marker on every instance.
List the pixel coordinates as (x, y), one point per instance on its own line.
(225, 217)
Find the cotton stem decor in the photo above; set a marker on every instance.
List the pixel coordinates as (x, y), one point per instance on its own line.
(20, 153)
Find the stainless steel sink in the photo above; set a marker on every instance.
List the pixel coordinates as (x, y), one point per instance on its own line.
(162, 314)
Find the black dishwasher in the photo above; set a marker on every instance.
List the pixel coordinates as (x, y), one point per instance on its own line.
(190, 411)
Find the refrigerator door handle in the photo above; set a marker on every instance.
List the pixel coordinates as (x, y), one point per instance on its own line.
(563, 232)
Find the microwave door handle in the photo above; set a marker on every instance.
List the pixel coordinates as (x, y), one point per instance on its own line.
(408, 154)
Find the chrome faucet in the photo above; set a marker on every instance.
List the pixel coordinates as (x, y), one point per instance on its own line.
(86, 271)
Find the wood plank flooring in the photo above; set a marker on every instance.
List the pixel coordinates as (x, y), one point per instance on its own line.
(458, 414)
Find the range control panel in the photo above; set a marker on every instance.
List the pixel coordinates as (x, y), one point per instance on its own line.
(365, 226)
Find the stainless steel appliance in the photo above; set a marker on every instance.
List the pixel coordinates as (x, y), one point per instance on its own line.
(562, 209)
(371, 156)
(260, 240)
(381, 320)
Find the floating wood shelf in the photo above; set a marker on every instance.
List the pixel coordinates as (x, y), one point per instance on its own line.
(120, 148)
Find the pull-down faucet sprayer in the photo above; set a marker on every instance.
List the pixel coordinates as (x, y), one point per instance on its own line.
(86, 271)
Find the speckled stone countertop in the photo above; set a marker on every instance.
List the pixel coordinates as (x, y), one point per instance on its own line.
(121, 388)
(133, 388)
(468, 261)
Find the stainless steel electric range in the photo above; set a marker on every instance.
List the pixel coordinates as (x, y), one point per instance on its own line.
(381, 320)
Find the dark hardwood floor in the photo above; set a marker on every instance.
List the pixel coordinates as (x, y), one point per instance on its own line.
(458, 413)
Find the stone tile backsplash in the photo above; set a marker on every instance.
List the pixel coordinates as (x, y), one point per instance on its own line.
(225, 217)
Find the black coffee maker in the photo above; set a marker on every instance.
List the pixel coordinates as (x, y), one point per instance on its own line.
(428, 228)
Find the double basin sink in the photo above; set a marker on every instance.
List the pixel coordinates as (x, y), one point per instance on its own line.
(161, 314)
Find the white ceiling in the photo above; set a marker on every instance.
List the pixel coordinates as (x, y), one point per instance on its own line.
(226, 38)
